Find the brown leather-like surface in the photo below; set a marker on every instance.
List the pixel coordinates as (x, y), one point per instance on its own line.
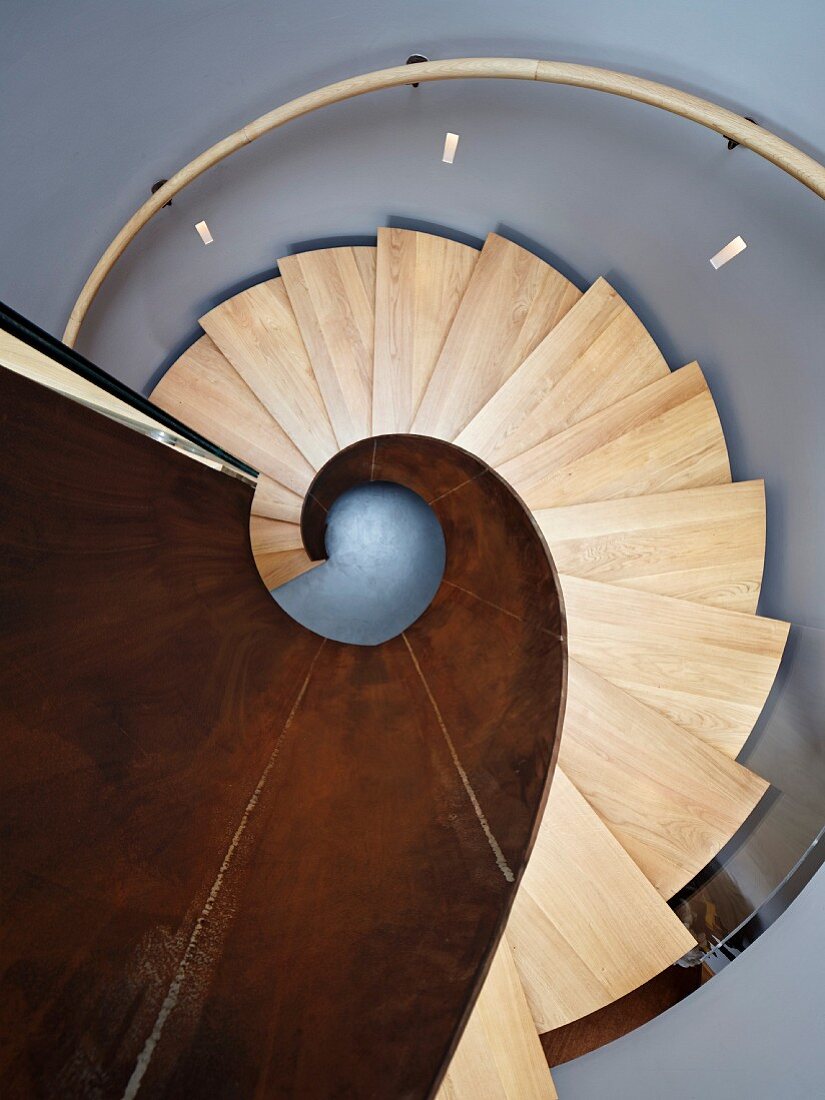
(238, 860)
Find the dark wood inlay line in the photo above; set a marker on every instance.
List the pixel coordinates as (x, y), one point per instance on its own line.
(497, 607)
(174, 991)
(501, 862)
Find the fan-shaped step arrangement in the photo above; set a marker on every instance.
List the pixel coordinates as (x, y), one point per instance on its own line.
(584, 904)
(706, 669)
(332, 293)
(257, 332)
(499, 1055)
(705, 545)
(665, 437)
(419, 283)
(597, 354)
(512, 301)
(670, 799)
(660, 557)
(203, 388)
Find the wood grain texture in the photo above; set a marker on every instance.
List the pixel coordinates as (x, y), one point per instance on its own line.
(597, 354)
(665, 437)
(707, 669)
(332, 293)
(705, 545)
(220, 879)
(278, 567)
(257, 332)
(146, 673)
(205, 391)
(786, 156)
(276, 501)
(670, 799)
(421, 278)
(587, 926)
(278, 550)
(499, 1055)
(512, 301)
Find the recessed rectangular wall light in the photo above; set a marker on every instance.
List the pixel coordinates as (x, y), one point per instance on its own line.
(727, 253)
(203, 232)
(450, 146)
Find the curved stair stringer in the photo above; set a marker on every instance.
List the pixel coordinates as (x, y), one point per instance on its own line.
(626, 469)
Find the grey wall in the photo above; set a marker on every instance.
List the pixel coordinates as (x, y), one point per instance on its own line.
(98, 99)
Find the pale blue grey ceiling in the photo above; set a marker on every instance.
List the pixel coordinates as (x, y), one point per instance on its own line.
(99, 98)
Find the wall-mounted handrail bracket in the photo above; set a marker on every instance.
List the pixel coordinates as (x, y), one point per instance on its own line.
(416, 59)
(732, 142)
(156, 186)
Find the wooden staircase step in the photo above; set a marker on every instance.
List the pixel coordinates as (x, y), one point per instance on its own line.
(278, 550)
(420, 280)
(705, 668)
(665, 437)
(670, 799)
(276, 501)
(332, 293)
(203, 389)
(705, 544)
(597, 354)
(257, 332)
(512, 301)
(499, 1055)
(586, 926)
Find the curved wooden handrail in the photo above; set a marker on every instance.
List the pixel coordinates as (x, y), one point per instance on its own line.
(781, 153)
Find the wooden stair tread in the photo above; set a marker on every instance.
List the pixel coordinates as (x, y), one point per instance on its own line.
(670, 799)
(665, 437)
(512, 301)
(705, 544)
(276, 501)
(332, 293)
(586, 926)
(705, 668)
(202, 386)
(597, 354)
(280, 566)
(420, 280)
(499, 1055)
(257, 332)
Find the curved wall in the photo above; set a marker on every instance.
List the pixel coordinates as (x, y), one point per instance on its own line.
(100, 100)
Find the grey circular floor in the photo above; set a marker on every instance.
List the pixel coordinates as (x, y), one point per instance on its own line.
(386, 560)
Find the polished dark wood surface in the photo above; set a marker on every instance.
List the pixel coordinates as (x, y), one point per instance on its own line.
(239, 860)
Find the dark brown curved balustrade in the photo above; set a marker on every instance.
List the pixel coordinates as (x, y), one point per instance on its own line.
(237, 859)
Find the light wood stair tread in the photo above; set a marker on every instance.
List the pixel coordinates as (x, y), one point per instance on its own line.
(257, 332)
(332, 293)
(670, 799)
(512, 301)
(276, 501)
(598, 353)
(277, 567)
(499, 1055)
(665, 437)
(586, 927)
(705, 668)
(420, 280)
(705, 544)
(201, 388)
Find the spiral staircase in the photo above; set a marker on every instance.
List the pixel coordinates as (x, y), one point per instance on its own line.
(624, 466)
